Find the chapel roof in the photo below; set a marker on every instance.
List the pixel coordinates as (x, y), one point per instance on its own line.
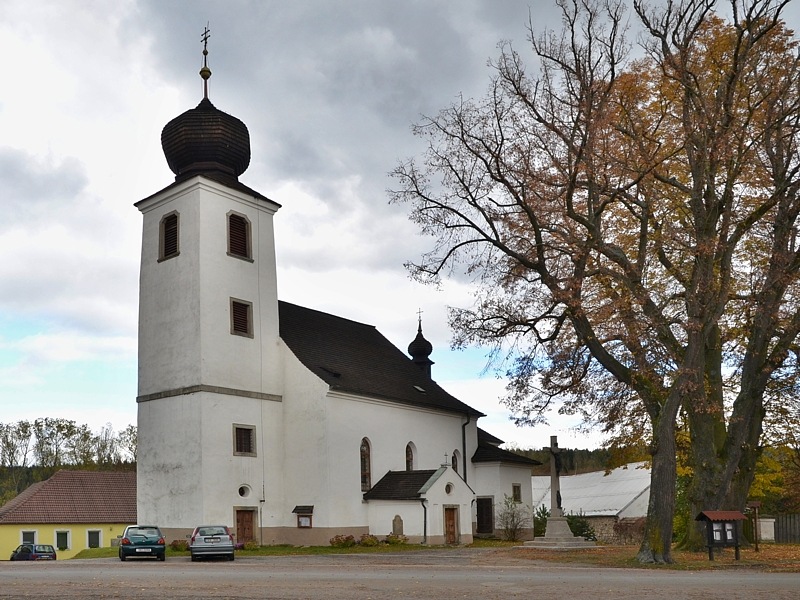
(75, 497)
(401, 485)
(356, 358)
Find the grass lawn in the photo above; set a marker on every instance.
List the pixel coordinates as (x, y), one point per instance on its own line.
(771, 557)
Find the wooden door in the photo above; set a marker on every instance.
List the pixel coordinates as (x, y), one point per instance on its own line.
(450, 525)
(485, 510)
(245, 526)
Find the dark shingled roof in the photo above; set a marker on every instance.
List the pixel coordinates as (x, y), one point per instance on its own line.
(356, 358)
(488, 451)
(400, 485)
(75, 497)
(484, 437)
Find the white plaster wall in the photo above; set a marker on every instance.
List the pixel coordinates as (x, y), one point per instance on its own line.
(183, 482)
(382, 513)
(169, 299)
(496, 480)
(184, 309)
(307, 466)
(389, 427)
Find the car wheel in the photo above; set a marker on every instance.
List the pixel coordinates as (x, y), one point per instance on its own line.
(162, 557)
(122, 556)
(231, 557)
(194, 558)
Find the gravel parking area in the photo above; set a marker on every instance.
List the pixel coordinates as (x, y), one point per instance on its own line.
(458, 573)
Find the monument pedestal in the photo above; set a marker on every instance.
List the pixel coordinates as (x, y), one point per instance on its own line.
(558, 536)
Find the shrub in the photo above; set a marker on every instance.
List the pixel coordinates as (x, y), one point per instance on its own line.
(581, 527)
(369, 540)
(395, 540)
(342, 541)
(251, 545)
(179, 545)
(512, 518)
(540, 517)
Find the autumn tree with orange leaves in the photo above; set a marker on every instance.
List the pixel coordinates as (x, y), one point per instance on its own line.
(629, 220)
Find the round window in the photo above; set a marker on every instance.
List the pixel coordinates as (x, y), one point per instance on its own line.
(448, 488)
(244, 491)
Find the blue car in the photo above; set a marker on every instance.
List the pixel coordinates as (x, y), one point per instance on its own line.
(139, 541)
(34, 552)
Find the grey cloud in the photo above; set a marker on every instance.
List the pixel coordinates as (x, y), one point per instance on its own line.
(28, 182)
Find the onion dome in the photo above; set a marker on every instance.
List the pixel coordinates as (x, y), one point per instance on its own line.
(420, 349)
(205, 139)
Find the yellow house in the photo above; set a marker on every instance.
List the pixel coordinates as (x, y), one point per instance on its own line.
(72, 510)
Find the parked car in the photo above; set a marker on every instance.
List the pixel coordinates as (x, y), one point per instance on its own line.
(142, 541)
(34, 552)
(211, 540)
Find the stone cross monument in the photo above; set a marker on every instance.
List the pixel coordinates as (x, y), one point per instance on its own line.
(555, 472)
(558, 534)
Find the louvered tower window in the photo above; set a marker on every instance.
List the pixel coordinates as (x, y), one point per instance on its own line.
(239, 236)
(241, 318)
(168, 246)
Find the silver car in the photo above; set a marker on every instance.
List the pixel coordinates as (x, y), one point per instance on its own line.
(211, 540)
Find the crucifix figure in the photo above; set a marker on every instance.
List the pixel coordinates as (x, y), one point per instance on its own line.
(555, 471)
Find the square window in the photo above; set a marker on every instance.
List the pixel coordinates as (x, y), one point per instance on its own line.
(28, 537)
(93, 538)
(244, 440)
(62, 540)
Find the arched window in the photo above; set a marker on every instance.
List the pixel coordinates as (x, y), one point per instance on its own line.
(239, 236)
(366, 476)
(168, 237)
(454, 461)
(409, 457)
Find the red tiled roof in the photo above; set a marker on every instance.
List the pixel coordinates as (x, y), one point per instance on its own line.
(720, 515)
(75, 497)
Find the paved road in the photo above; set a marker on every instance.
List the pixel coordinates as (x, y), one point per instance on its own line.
(447, 574)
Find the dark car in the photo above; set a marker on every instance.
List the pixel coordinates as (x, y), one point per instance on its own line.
(142, 541)
(211, 540)
(34, 552)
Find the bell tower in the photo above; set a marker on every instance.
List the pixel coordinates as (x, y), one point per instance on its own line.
(210, 380)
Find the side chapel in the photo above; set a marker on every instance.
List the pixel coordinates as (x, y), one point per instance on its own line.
(288, 424)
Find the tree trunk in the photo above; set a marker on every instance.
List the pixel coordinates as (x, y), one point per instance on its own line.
(657, 543)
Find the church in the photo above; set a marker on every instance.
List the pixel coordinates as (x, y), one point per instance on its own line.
(287, 424)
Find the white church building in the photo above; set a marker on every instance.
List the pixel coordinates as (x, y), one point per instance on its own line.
(288, 424)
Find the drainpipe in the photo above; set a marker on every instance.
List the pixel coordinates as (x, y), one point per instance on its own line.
(464, 446)
(424, 522)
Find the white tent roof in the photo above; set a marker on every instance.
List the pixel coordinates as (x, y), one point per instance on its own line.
(624, 492)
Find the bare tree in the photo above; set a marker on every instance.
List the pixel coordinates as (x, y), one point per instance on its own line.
(631, 228)
(127, 442)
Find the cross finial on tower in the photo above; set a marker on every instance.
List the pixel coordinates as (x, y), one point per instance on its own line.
(205, 72)
(419, 320)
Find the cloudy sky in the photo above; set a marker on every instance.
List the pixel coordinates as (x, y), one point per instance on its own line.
(328, 90)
